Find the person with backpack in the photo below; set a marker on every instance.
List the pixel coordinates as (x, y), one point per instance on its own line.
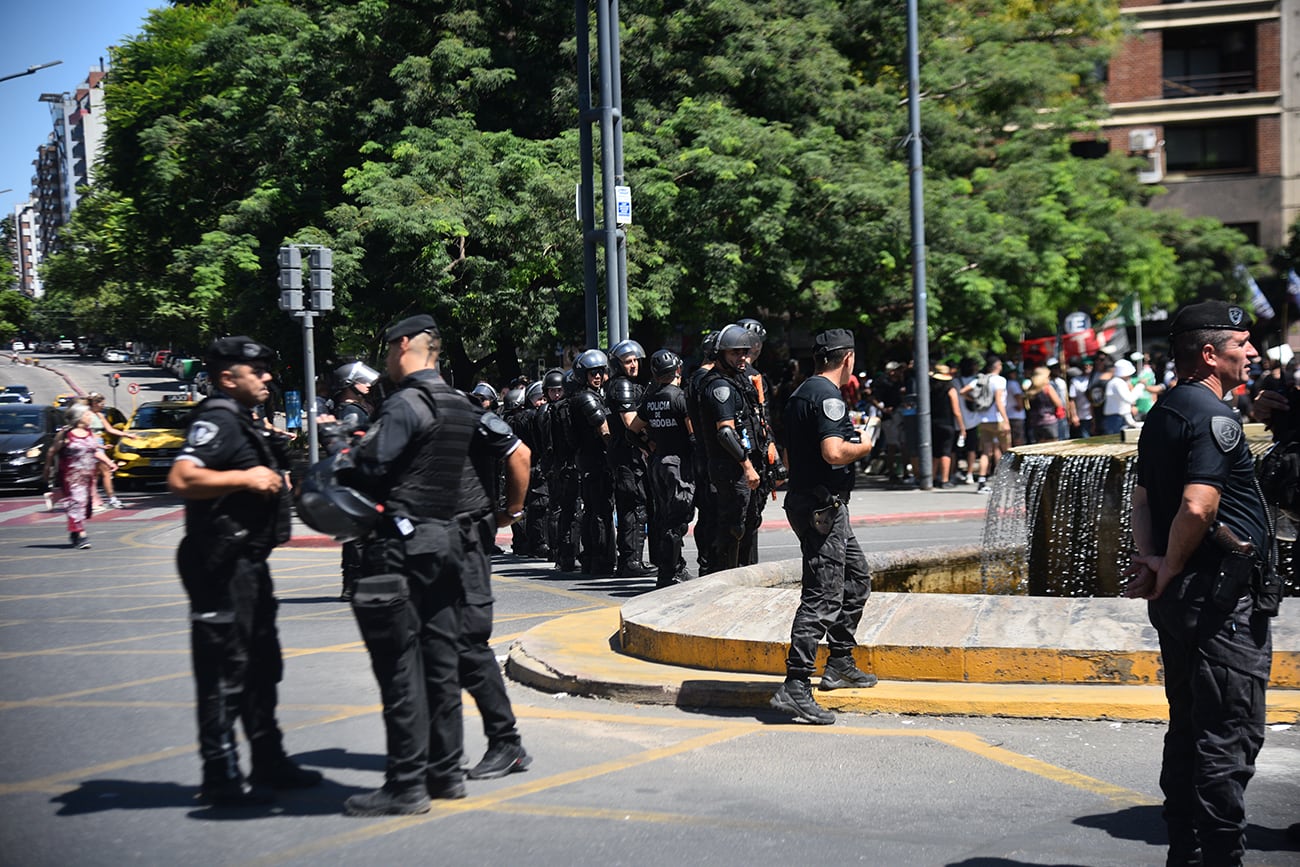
(989, 398)
(967, 379)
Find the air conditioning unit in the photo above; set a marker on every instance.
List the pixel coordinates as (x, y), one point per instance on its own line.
(1153, 171)
(1141, 140)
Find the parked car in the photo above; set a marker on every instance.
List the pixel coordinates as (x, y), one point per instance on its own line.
(10, 397)
(25, 436)
(66, 345)
(159, 357)
(18, 346)
(24, 393)
(153, 439)
(117, 356)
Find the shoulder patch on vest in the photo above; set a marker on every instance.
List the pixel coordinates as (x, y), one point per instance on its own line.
(721, 392)
(497, 425)
(201, 433)
(833, 408)
(1227, 433)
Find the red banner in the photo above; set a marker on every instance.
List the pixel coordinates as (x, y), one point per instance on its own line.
(1036, 352)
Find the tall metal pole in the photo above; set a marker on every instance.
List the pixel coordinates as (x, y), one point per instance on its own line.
(616, 103)
(610, 212)
(925, 448)
(309, 380)
(586, 189)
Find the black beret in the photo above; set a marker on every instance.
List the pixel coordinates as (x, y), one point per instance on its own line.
(829, 341)
(239, 349)
(411, 326)
(1210, 316)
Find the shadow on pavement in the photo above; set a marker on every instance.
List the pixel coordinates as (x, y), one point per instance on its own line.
(1004, 862)
(299, 600)
(1145, 825)
(98, 796)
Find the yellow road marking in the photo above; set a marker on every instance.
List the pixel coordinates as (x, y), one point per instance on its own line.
(449, 808)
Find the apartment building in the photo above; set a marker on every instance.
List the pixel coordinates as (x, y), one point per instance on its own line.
(1209, 92)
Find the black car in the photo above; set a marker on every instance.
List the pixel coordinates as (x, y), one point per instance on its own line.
(25, 436)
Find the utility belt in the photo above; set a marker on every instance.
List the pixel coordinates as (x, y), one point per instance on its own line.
(1240, 570)
(824, 505)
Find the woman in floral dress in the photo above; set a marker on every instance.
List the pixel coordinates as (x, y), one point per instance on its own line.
(81, 453)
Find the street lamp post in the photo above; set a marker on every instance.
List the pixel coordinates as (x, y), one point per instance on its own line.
(31, 70)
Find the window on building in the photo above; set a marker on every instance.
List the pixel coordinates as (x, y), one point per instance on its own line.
(1202, 61)
(1250, 230)
(1209, 148)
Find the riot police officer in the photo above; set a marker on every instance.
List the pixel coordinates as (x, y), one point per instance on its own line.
(519, 417)
(627, 460)
(537, 503)
(426, 592)
(728, 429)
(706, 506)
(1203, 539)
(230, 472)
(351, 413)
(564, 480)
(589, 426)
(836, 581)
(664, 420)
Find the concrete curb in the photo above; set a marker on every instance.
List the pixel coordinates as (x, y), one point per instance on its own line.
(579, 654)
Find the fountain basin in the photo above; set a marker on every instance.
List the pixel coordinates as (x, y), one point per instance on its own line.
(739, 621)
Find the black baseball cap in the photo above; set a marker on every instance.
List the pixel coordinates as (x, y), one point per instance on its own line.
(1211, 316)
(829, 341)
(411, 326)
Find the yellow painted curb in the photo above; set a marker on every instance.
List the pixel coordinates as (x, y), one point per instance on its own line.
(580, 654)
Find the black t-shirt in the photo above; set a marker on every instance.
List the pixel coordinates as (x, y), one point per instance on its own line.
(814, 412)
(1192, 437)
(663, 408)
(218, 440)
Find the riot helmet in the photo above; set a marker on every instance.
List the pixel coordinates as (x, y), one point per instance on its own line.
(486, 394)
(664, 362)
(513, 398)
(332, 508)
(355, 373)
(710, 346)
(754, 327)
(534, 395)
(589, 362)
(554, 378)
(621, 351)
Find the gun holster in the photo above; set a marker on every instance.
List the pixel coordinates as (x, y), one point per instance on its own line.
(1233, 581)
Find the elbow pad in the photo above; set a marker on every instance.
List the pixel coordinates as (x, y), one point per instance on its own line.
(731, 444)
(590, 407)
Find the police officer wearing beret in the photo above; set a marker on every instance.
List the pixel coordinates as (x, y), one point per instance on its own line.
(230, 472)
(424, 605)
(1203, 538)
(836, 581)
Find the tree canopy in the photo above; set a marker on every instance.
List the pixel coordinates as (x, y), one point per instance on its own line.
(433, 144)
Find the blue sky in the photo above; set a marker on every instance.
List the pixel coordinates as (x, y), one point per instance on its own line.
(78, 32)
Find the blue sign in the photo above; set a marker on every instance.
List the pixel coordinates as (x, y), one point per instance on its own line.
(292, 410)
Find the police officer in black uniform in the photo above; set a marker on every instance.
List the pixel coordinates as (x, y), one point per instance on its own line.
(537, 503)
(565, 479)
(728, 422)
(1203, 541)
(763, 452)
(230, 472)
(351, 413)
(426, 591)
(663, 419)
(517, 414)
(706, 506)
(836, 581)
(627, 459)
(589, 427)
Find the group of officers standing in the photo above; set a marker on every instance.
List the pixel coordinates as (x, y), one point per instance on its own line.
(449, 473)
(623, 454)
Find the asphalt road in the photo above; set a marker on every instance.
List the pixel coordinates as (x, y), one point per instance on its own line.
(100, 765)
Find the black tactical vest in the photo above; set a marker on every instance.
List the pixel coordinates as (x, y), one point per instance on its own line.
(433, 483)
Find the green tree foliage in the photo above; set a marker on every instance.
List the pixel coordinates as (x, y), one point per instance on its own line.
(433, 145)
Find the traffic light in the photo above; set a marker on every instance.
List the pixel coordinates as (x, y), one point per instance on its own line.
(290, 268)
(117, 378)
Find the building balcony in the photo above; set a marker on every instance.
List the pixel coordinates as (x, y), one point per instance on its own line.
(1214, 84)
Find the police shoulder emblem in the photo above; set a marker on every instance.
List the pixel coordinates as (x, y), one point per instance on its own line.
(721, 392)
(1227, 433)
(201, 433)
(833, 408)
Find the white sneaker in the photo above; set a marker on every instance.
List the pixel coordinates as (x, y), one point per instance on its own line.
(115, 503)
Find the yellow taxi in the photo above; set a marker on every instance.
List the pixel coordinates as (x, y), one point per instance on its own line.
(153, 439)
